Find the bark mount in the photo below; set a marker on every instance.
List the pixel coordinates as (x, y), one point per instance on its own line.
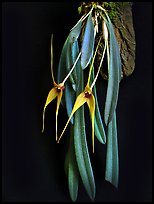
(122, 19)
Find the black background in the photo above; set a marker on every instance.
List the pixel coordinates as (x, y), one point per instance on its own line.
(32, 162)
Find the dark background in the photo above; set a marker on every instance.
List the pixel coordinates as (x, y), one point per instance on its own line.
(32, 162)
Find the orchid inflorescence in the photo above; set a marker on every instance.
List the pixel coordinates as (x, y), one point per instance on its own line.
(75, 57)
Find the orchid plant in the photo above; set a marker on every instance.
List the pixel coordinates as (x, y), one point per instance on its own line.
(76, 56)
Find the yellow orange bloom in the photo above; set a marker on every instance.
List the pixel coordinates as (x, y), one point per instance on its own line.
(56, 91)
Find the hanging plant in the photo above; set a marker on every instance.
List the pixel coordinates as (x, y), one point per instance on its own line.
(88, 43)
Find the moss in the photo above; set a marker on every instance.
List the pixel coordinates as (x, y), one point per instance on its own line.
(112, 8)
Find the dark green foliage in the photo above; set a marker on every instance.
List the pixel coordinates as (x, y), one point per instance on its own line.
(87, 43)
(77, 163)
(112, 159)
(72, 169)
(114, 76)
(81, 149)
(99, 128)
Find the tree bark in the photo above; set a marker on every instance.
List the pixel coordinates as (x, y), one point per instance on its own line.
(124, 31)
(122, 20)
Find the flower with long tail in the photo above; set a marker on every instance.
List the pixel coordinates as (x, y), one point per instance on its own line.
(57, 90)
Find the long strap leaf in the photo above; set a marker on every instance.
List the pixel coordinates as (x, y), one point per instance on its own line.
(68, 56)
(72, 169)
(71, 56)
(87, 43)
(98, 124)
(112, 160)
(114, 73)
(75, 32)
(62, 71)
(81, 149)
(69, 95)
(72, 52)
(67, 52)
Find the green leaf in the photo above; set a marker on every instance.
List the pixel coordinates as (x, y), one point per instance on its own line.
(62, 71)
(66, 163)
(87, 43)
(72, 54)
(78, 68)
(75, 32)
(67, 52)
(68, 56)
(112, 160)
(69, 86)
(72, 169)
(69, 95)
(81, 149)
(98, 124)
(114, 76)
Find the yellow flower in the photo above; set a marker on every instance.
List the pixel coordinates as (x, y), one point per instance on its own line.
(57, 90)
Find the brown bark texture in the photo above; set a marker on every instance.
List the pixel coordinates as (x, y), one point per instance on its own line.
(124, 31)
(122, 22)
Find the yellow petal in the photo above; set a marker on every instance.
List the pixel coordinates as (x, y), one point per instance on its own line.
(59, 96)
(88, 89)
(91, 105)
(79, 102)
(51, 96)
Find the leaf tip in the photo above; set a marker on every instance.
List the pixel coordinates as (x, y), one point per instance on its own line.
(92, 197)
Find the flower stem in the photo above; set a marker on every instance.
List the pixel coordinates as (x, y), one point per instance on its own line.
(88, 14)
(93, 62)
(101, 8)
(99, 66)
(52, 59)
(71, 69)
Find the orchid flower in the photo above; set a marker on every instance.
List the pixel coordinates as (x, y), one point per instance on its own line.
(87, 95)
(57, 90)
